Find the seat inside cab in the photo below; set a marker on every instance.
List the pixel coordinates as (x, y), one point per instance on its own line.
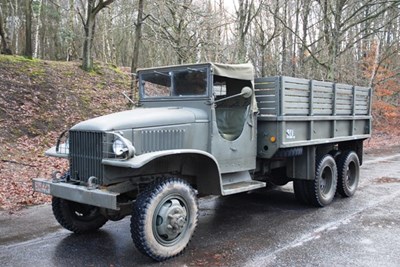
(231, 114)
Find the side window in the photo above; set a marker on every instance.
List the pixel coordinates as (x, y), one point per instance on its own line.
(230, 112)
(219, 88)
(225, 87)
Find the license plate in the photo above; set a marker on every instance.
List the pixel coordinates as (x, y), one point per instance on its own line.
(42, 187)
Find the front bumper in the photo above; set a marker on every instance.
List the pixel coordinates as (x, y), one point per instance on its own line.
(78, 193)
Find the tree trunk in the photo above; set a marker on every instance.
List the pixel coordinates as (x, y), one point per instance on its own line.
(136, 49)
(28, 29)
(89, 26)
(38, 26)
(70, 49)
(5, 45)
(303, 48)
(87, 60)
(282, 68)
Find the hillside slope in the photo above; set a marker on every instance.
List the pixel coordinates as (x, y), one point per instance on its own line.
(39, 100)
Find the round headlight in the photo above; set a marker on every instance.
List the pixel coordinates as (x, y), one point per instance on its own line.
(119, 147)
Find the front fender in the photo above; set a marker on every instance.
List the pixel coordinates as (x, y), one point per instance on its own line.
(54, 152)
(201, 164)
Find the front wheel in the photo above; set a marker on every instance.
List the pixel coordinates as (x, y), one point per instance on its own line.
(77, 217)
(164, 218)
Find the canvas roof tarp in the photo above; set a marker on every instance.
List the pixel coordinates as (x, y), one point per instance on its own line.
(235, 71)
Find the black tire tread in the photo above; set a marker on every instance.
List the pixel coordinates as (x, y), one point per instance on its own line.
(138, 215)
(59, 211)
(313, 186)
(300, 191)
(342, 163)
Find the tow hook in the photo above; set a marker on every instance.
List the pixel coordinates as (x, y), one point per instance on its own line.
(56, 177)
(92, 183)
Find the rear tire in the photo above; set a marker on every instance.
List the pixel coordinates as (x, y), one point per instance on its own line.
(348, 173)
(322, 190)
(76, 217)
(300, 191)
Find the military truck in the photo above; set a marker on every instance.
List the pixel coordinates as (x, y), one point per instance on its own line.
(206, 129)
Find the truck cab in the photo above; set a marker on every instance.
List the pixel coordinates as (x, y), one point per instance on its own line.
(194, 132)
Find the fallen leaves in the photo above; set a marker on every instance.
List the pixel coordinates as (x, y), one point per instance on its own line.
(39, 100)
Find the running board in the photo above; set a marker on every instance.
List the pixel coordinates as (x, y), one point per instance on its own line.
(238, 182)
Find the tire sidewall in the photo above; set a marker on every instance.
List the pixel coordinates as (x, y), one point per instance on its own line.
(161, 193)
(325, 162)
(64, 214)
(346, 189)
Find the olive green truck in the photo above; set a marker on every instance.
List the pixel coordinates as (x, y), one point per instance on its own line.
(206, 129)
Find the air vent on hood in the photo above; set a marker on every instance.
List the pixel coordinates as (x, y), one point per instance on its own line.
(157, 140)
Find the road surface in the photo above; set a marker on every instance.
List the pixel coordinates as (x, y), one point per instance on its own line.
(261, 228)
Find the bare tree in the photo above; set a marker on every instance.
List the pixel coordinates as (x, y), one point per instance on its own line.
(37, 28)
(136, 49)
(266, 32)
(5, 44)
(92, 9)
(177, 23)
(246, 13)
(28, 29)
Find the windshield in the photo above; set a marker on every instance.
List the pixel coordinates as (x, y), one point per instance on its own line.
(187, 82)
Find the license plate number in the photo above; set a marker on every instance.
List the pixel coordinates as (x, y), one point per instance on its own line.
(42, 187)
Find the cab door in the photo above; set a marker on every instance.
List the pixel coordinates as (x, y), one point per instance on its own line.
(234, 135)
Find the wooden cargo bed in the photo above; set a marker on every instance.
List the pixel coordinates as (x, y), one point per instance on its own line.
(301, 112)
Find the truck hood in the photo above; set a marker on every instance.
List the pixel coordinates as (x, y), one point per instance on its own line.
(143, 117)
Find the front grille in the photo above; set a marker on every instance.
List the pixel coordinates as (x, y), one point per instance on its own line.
(86, 152)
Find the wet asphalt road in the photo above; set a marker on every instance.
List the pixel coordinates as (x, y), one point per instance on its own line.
(261, 228)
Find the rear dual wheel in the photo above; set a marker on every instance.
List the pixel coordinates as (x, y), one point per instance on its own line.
(330, 175)
(320, 191)
(348, 173)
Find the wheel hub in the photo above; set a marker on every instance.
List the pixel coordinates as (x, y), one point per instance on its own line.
(171, 219)
(325, 182)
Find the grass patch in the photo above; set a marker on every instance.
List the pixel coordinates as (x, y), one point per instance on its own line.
(17, 59)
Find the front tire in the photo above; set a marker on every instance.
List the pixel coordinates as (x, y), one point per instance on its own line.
(348, 173)
(164, 218)
(76, 217)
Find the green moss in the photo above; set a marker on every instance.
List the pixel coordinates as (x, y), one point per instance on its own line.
(17, 59)
(37, 73)
(85, 98)
(69, 73)
(116, 69)
(101, 85)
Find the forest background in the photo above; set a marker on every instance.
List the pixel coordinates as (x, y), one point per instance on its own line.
(69, 46)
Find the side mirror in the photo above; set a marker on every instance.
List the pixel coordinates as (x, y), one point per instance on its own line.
(246, 92)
